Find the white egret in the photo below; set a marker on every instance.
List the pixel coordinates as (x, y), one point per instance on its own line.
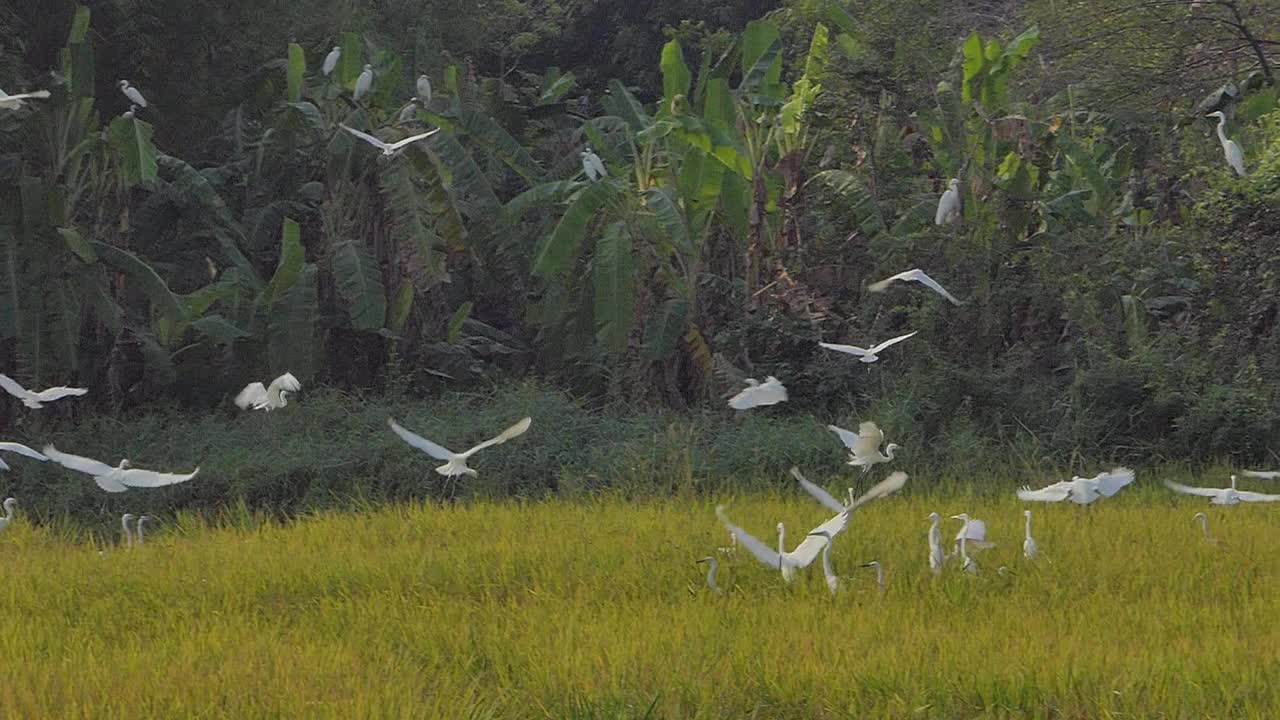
(388, 149)
(33, 399)
(973, 531)
(132, 93)
(879, 573)
(712, 566)
(363, 82)
(757, 394)
(1204, 527)
(119, 478)
(968, 564)
(7, 520)
(424, 89)
(948, 204)
(13, 102)
(1081, 491)
(833, 581)
(456, 463)
(1232, 151)
(915, 275)
(866, 355)
(130, 113)
(937, 557)
(19, 449)
(779, 559)
(592, 165)
(128, 531)
(273, 397)
(141, 522)
(889, 485)
(1222, 496)
(1263, 474)
(1029, 548)
(864, 448)
(331, 60)
(409, 112)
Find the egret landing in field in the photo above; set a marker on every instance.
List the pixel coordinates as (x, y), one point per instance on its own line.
(758, 394)
(116, 479)
(1222, 496)
(968, 565)
(948, 204)
(1232, 151)
(973, 532)
(456, 463)
(712, 566)
(35, 400)
(866, 355)
(127, 529)
(273, 397)
(13, 102)
(7, 520)
(388, 149)
(864, 448)
(1081, 491)
(19, 449)
(914, 275)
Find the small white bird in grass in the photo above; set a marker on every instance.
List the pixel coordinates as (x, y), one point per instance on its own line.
(879, 573)
(916, 275)
(7, 520)
(424, 89)
(1263, 474)
(758, 394)
(456, 463)
(331, 60)
(1029, 548)
(948, 204)
(388, 149)
(132, 93)
(19, 449)
(128, 531)
(937, 556)
(1232, 151)
(116, 479)
(889, 485)
(712, 566)
(864, 448)
(833, 581)
(13, 102)
(1222, 496)
(1204, 527)
(273, 397)
(34, 400)
(1081, 491)
(866, 355)
(973, 532)
(592, 165)
(363, 83)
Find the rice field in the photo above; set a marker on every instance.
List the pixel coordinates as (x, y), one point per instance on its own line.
(596, 609)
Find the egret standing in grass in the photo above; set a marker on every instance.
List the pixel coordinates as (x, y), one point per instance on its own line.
(132, 93)
(272, 397)
(7, 520)
(866, 355)
(948, 204)
(973, 532)
(363, 83)
(128, 531)
(879, 573)
(1029, 548)
(864, 448)
(141, 522)
(1222, 496)
(1204, 527)
(331, 60)
(36, 400)
(592, 165)
(712, 566)
(456, 463)
(833, 581)
(937, 558)
(1232, 151)
(968, 564)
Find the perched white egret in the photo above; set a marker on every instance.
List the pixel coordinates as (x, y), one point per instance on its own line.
(13, 102)
(331, 60)
(130, 113)
(132, 93)
(116, 479)
(409, 112)
(19, 449)
(833, 581)
(937, 557)
(1081, 491)
(7, 520)
(273, 397)
(915, 275)
(141, 522)
(33, 399)
(1235, 156)
(1029, 548)
(592, 165)
(866, 355)
(424, 89)
(363, 82)
(864, 448)
(1222, 496)
(948, 204)
(1204, 527)
(757, 394)
(712, 566)
(456, 463)
(889, 485)
(128, 531)
(879, 573)
(388, 149)
(973, 532)
(1263, 474)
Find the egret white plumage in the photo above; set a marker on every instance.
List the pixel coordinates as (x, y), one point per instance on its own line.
(889, 485)
(833, 581)
(1263, 474)
(1029, 548)
(13, 102)
(592, 165)
(143, 520)
(1232, 151)
(331, 60)
(914, 275)
(968, 564)
(712, 566)
(757, 394)
(864, 448)
(1081, 491)
(7, 520)
(948, 204)
(879, 573)
(408, 112)
(388, 149)
(363, 82)
(18, 449)
(128, 531)
(1204, 527)
(866, 355)
(973, 531)
(35, 400)
(937, 557)
(134, 95)
(424, 89)
(272, 397)
(779, 559)
(456, 463)
(116, 479)
(130, 113)
(1222, 496)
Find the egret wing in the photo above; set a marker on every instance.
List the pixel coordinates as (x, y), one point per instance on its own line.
(920, 277)
(75, 462)
(1188, 490)
(21, 449)
(848, 437)
(1263, 474)
(285, 382)
(888, 343)
(887, 486)
(57, 393)
(414, 139)
(109, 484)
(139, 478)
(252, 394)
(514, 431)
(870, 437)
(436, 451)
(822, 496)
(1110, 483)
(364, 136)
(1056, 492)
(1257, 497)
(809, 549)
(885, 283)
(13, 388)
(762, 552)
(848, 349)
(35, 94)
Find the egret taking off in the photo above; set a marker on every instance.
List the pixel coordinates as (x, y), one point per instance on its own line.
(1029, 548)
(973, 532)
(272, 397)
(1235, 156)
(1222, 496)
(712, 566)
(119, 478)
(363, 83)
(7, 520)
(757, 394)
(35, 400)
(592, 165)
(456, 463)
(13, 102)
(949, 204)
(388, 149)
(889, 485)
(864, 448)
(331, 60)
(866, 355)
(132, 93)
(19, 449)
(937, 558)
(779, 559)
(914, 275)
(1081, 491)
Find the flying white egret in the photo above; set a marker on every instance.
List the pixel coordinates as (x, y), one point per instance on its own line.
(757, 394)
(889, 485)
(1081, 491)
(712, 566)
(948, 204)
(1235, 156)
(1029, 548)
(937, 557)
(20, 449)
(973, 531)
(968, 564)
(879, 573)
(116, 479)
(1222, 496)
(833, 581)
(34, 400)
(592, 165)
(409, 112)
(864, 448)
(132, 93)
(866, 355)
(456, 463)
(128, 531)
(7, 520)
(143, 520)
(388, 149)
(1263, 474)
(915, 275)
(1204, 527)
(779, 559)
(273, 397)
(13, 102)
(363, 82)
(424, 89)
(331, 60)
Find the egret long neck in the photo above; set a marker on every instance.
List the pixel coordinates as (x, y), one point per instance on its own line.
(8, 511)
(1222, 121)
(826, 560)
(711, 574)
(1028, 527)
(1204, 526)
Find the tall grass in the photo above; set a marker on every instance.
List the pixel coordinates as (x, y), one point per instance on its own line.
(595, 609)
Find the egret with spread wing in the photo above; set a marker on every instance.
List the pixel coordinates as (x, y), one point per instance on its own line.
(456, 463)
(866, 355)
(116, 479)
(889, 485)
(1263, 474)
(1222, 496)
(1030, 550)
(916, 275)
(273, 397)
(864, 448)
(758, 394)
(13, 102)
(19, 449)
(1081, 491)
(35, 400)
(388, 149)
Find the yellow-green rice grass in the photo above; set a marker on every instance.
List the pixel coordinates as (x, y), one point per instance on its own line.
(596, 609)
